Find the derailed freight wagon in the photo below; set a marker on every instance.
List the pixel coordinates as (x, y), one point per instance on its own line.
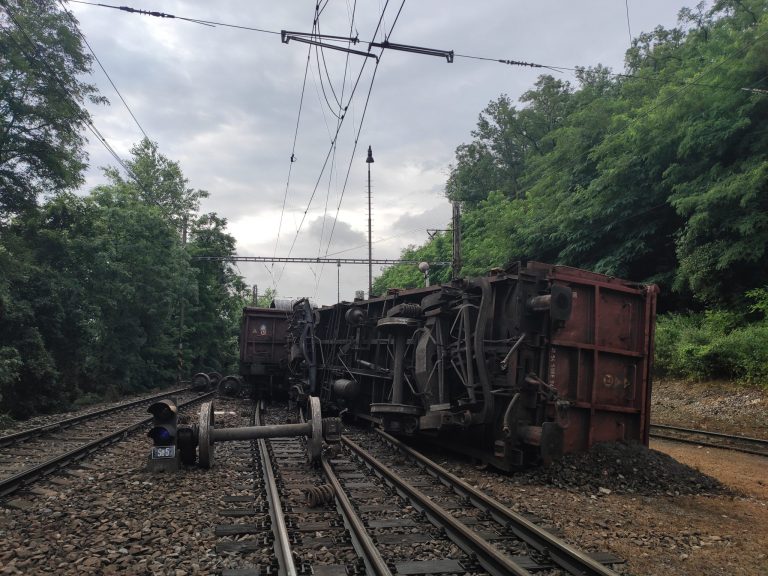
(263, 350)
(514, 368)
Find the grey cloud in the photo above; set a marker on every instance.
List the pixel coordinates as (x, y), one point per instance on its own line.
(437, 217)
(224, 103)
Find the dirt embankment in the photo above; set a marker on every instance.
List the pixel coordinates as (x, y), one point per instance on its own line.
(715, 406)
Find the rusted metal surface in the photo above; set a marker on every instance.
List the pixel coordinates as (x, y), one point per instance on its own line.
(600, 358)
(263, 351)
(315, 429)
(491, 558)
(515, 368)
(374, 563)
(282, 541)
(205, 428)
(736, 442)
(262, 338)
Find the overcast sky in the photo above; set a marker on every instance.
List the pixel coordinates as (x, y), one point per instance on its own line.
(224, 103)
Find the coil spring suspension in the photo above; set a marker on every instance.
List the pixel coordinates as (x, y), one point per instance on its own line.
(319, 495)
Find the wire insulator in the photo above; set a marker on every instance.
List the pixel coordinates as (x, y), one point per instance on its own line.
(519, 63)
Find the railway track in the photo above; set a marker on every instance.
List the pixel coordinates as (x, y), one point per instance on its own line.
(757, 446)
(374, 506)
(29, 455)
(500, 540)
(269, 528)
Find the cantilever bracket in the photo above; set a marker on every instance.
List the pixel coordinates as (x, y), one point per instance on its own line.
(287, 36)
(447, 54)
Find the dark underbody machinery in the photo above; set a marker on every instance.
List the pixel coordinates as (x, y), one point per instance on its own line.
(515, 368)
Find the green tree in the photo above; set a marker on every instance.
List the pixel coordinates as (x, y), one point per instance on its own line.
(158, 181)
(214, 320)
(658, 175)
(265, 300)
(47, 323)
(42, 92)
(719, 177)
(137, 272)
(408, 275)
(504, 140)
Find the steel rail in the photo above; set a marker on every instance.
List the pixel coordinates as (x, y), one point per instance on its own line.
(761, 442)
(286, 565)
(567, 557)
(364, 545)
(39, 471)
(490, 557)
(68, 422)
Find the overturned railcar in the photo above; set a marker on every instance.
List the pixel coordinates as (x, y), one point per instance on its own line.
(515, 368)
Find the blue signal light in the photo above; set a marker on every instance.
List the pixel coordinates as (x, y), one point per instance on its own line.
(160, 435)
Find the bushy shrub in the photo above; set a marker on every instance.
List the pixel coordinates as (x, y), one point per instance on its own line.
(715, 344)
(745, 353)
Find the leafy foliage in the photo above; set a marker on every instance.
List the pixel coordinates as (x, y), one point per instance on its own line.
(714, 344)
(42, 66)
(94, 289)
(93, 302)
(221, 295)
(408, 275)
(658, 175)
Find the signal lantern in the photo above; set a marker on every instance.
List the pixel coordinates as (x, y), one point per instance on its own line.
(164, 434)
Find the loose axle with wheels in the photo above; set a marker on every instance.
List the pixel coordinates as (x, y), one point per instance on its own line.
(315, 429)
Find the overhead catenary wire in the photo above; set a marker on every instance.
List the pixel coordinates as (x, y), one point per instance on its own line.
(89, 124)
(370, 88)
(687, 85)
(292, 159)
(377, 241)
(357, 137)
(86, 119)
(362, 119)
(325, 163)
(318, 53)
(505, 61)
(109, 78)
(210, 23)
(342, 110)
(629, 27)
(561, 68)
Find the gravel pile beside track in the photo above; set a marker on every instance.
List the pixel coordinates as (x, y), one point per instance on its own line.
(624, 469)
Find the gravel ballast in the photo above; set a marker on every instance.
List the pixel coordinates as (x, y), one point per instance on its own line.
(675, 509)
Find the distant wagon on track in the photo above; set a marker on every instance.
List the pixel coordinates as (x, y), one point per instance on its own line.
(264, 348)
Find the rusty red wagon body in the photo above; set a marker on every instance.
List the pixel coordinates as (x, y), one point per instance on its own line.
(263, 349)
(517, 367)
(600, 359)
